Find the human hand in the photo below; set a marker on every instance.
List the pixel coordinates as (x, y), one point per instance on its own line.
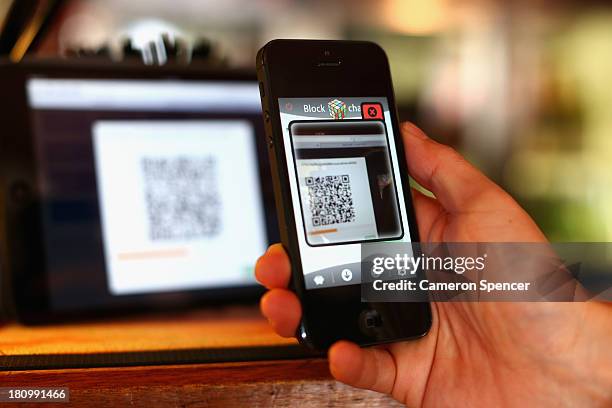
(475, 353)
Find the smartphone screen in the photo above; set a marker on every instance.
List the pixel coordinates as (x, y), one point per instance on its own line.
(345, 183)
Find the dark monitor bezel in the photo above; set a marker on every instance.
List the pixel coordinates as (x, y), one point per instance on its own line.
(20, 219)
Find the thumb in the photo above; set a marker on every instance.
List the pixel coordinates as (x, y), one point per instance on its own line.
(371, 368)
(400, 369)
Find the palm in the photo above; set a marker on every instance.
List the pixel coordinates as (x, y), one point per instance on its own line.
(478, 343)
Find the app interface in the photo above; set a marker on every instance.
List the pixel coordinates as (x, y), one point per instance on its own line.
(344, 180)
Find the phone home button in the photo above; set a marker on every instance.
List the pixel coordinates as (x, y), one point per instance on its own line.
(369, 322)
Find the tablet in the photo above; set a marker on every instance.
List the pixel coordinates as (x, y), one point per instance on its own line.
(131, 187)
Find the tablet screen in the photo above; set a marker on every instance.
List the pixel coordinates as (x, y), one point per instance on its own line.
(149, 186)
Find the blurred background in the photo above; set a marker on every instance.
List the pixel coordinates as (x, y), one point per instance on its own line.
(520, 88)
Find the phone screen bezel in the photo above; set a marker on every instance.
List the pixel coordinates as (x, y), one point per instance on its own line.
(301, 69)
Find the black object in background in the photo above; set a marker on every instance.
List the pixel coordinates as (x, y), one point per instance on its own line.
(45, 285)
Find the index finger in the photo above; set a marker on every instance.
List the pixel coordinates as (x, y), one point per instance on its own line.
(441, 170)
(273, 268)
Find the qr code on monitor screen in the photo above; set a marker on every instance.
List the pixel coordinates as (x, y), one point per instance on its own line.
(182, 197)
(330, 200)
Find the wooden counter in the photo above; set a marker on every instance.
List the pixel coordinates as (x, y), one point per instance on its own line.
(279, 383)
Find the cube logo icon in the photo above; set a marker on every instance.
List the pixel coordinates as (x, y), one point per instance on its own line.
(337, 109)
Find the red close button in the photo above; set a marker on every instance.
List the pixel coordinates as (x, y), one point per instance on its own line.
(371, 110)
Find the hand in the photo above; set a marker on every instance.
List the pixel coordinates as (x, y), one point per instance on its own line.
(476, 354)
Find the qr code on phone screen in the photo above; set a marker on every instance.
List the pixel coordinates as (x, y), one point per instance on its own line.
(182, 197)
(330, 200)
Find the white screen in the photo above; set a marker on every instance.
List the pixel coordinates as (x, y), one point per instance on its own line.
(345, 183)
(180, 202)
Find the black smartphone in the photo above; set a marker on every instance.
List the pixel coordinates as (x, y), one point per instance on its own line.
(340, 180)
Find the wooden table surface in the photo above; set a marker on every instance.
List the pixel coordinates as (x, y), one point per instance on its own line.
(285, 383)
